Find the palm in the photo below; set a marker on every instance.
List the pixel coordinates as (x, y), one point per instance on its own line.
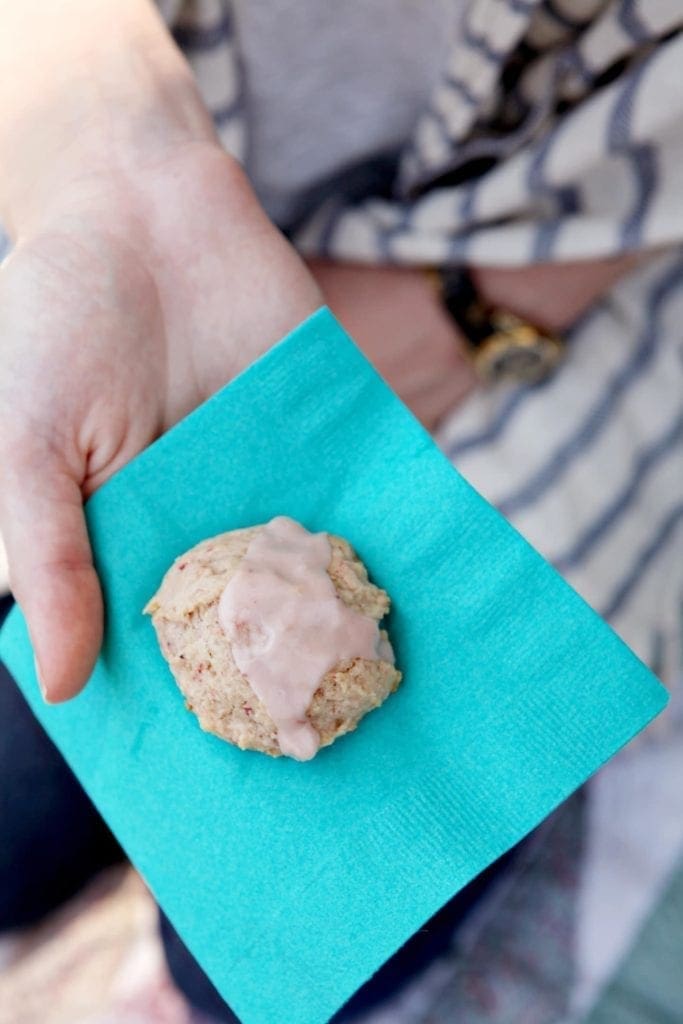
(84, 354)
(113, 325)
(120, 334)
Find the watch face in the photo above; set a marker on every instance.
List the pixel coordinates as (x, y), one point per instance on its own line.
(522, 356)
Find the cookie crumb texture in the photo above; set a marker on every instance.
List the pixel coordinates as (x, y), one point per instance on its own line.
(185, 616)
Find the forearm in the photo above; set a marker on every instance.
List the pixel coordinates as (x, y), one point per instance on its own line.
(86, 89)
(552, 295)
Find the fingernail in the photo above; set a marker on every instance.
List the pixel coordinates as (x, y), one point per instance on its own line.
(41, 681)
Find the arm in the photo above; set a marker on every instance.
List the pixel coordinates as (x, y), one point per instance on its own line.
(396, 317)
(87, 89)
(144, 275)
(552, 295)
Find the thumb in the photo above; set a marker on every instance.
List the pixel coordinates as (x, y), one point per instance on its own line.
(50, 567)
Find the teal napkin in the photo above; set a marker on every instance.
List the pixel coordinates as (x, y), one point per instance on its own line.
(292, 883)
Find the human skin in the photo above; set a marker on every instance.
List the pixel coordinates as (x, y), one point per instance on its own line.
(144, 275)
(395, 316)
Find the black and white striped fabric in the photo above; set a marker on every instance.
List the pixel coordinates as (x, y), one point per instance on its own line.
(555, 132)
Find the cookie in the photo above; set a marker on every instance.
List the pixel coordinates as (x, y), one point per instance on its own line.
(272, 634)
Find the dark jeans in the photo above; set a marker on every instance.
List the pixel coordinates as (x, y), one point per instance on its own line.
(52, 840)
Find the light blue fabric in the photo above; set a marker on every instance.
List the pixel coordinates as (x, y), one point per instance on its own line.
(291, 883)
(328, 88)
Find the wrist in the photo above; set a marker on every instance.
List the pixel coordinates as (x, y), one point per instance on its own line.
(520, 291)
(501, 344)
(121, 104)
(552, 295)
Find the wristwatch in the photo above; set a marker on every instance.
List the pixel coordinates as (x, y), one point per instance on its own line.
(501, 345)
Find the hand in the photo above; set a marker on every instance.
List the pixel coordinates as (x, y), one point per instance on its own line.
(395, 316)
(124, 309)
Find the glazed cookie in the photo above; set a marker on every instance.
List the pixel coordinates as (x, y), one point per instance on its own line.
(272, 634)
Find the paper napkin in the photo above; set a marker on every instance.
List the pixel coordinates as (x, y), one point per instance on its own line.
(292, 882)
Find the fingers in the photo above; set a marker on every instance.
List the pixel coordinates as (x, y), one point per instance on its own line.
(50, 567)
